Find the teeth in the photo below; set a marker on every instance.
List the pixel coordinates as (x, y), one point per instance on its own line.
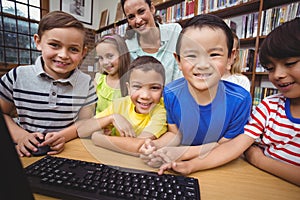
(60, 62)
(202, 75)
(285, 84)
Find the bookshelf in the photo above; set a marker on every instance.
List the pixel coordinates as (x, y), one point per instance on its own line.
(261, 16)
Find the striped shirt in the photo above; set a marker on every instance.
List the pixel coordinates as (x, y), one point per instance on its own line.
(44, 104)
(280, 130)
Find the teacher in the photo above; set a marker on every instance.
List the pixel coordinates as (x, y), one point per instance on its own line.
(145, 36)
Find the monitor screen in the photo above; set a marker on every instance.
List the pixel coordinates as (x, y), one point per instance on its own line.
(12, 176)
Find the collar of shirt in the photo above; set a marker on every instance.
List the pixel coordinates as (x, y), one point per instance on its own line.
(41, 72)
(133, 43)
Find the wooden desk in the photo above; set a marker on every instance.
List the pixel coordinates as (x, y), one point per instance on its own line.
(235, 180)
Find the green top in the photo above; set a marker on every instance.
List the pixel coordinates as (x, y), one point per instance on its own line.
(105, 93)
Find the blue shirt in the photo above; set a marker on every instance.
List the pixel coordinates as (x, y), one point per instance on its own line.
(225, 116)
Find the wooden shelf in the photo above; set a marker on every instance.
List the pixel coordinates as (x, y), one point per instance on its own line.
(239, 9)
(273, 3)
(262, 73)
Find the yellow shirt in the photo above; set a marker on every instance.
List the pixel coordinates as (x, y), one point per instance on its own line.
(154, 122)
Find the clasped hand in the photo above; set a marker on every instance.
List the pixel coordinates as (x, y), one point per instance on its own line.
(29, 142)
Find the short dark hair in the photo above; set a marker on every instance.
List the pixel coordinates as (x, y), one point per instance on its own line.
(147, 63)
(282, 42)
(59, 19)
(207, 20)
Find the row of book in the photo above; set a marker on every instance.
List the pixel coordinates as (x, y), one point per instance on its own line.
(186, 9)
(120, 30)
(262, 92)
(206, 6)
(247, 59)
(177, 12)
(270, 19)
(274, 17)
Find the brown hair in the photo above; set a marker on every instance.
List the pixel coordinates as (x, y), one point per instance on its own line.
(59, 19)
(147, 63)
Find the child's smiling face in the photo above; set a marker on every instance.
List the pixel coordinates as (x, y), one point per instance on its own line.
(285, 75)
(145, 89)
(203, 57)
(108, 58)
(62, 50)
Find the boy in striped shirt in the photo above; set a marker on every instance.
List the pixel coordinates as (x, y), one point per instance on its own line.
(52, 94)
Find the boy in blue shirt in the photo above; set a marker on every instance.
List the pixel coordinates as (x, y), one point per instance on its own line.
(202, 110)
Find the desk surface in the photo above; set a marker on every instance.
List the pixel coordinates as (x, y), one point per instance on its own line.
(235, 180)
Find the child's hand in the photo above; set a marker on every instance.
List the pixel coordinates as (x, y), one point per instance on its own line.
(55, 141)
(182, 167)
(28, 143)
(166, 155)
(123, 126)
(254, 154)
(148, 147)
(146, 150)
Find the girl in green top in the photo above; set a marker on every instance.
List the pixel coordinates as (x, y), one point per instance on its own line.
(114, 59)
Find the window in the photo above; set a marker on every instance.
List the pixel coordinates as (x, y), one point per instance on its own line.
(18, 23)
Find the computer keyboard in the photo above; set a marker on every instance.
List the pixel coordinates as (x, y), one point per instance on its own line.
(74, 179)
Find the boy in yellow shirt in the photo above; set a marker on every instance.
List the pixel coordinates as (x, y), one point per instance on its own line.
(136, 117)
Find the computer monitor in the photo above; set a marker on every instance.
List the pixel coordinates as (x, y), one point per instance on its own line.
(12, 176)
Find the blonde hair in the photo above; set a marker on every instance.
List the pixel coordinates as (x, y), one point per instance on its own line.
(236, 66)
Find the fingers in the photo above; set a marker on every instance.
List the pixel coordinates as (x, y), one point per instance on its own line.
(165, 167)
(55, 141)
(163, 155)
(28, 143)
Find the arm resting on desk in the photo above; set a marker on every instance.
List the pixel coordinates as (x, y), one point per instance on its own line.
(220, 155)
(283, 170)
(126, 145)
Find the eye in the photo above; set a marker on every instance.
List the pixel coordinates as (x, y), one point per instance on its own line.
(110, 56)
(130, 17)
(54, 45)
(191, 56)
(136, 86)
(156, 87)
(99, 58)
(290, 64)
(269, 67)
(74, 49)
(214, 54)
(141, 11)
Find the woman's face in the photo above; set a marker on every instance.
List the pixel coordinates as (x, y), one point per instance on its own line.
(139, 15)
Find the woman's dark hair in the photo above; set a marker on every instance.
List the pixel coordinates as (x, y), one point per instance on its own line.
(123, 2)
(206, 20)
(282, 42)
